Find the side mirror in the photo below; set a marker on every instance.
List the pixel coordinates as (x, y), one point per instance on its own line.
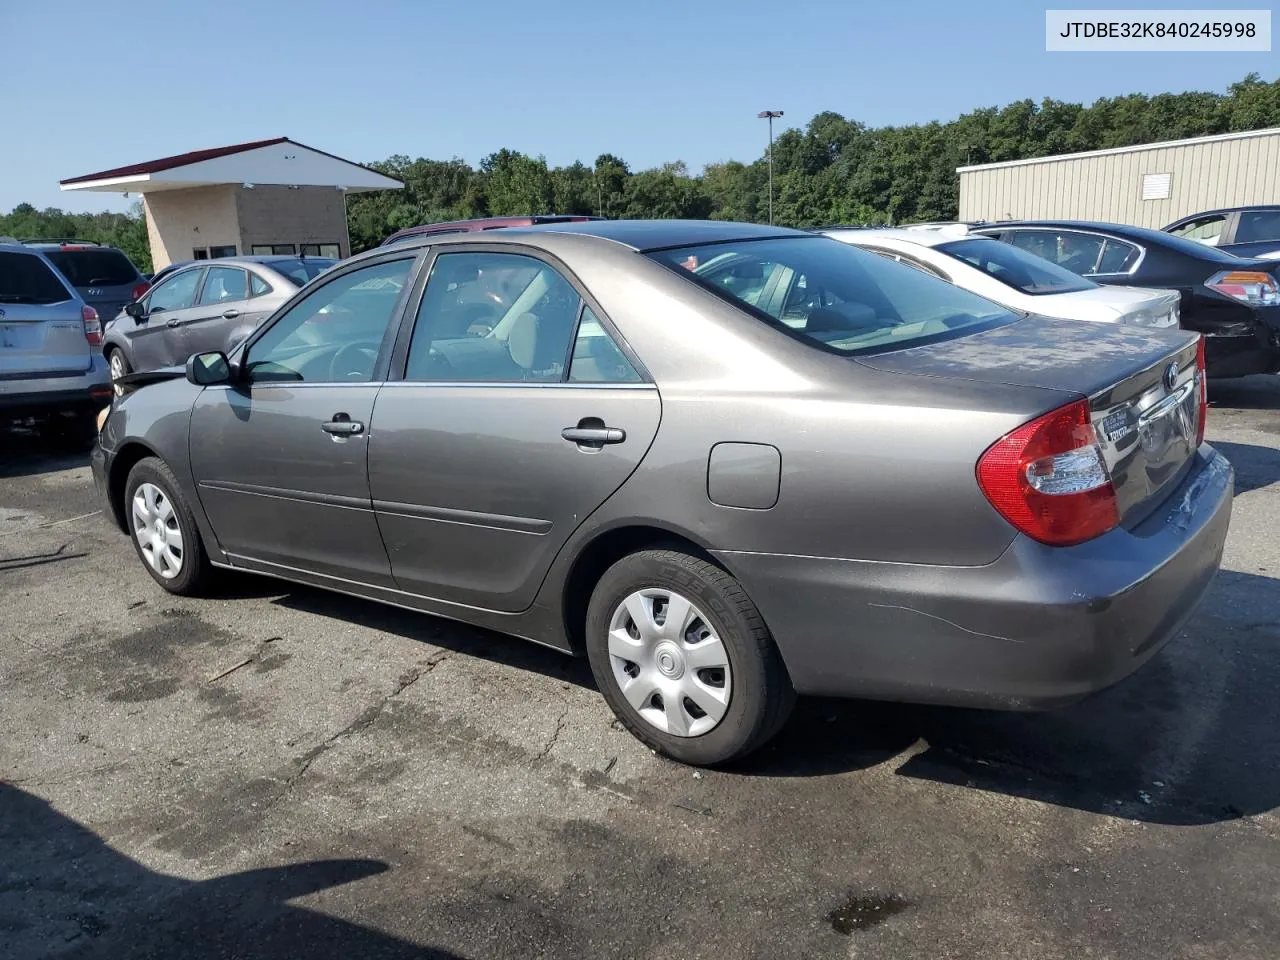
(208, 369)
(136, 310)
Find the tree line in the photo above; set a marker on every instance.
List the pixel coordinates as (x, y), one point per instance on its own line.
(834, 170)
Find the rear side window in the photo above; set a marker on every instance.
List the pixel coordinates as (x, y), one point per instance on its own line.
(224, 283)
(94, 268)
(1014, 267)
(258, 286)
(25, 278)
(1258, 225)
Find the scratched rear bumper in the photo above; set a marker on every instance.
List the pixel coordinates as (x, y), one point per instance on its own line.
(1038, 627)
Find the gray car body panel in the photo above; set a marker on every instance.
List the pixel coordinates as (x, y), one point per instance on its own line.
(880, 549)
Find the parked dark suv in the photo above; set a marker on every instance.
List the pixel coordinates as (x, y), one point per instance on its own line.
(103, 276)
(483, 223)
(1243, 231)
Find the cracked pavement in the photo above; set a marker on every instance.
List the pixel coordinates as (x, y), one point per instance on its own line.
(280, 772)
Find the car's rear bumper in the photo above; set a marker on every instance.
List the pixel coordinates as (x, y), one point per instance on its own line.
(38, 395)
(1037, 627)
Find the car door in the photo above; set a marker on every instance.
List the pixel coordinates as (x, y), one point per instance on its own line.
(154, 337)
(495, 446)
(280, 456)
(223, 300)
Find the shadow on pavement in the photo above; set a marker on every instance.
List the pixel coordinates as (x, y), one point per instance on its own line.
(23, 454)
(1256, 466)
(451, 635)
(1189, 739)
(1261, 392)
(64, 892)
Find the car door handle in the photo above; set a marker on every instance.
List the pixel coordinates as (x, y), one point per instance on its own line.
(230, 314)
(172, 322)
(594, 435)
(343, 426)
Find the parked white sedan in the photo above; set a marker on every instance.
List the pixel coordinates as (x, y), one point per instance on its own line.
(1014, 278)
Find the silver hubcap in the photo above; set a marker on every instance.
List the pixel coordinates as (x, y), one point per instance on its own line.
(668, 662)
(155, 527)
(117, 370)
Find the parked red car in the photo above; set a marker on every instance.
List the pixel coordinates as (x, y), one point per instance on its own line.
(483, 223)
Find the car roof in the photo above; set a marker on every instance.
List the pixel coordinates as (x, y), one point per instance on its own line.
(642, 236)
(1244, 209)
(920, 238)
(1141, 234)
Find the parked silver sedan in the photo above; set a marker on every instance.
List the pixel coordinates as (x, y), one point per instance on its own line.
(727, 463)
(203, 305)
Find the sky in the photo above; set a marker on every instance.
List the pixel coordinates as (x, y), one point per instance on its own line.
(112, 82)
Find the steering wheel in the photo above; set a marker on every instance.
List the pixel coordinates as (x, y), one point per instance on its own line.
(355, 368)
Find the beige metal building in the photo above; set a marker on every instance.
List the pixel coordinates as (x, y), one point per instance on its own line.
(268, 196)
(1148, 185)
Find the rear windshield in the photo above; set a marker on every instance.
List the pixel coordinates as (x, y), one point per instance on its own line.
(25, 278)
(834, 295)
(1258, 225)
(1024, 272)
(301, 271)
(94, 268)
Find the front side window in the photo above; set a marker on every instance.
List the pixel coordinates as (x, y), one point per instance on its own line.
(176, 293)
(835, 295)
(495, 318)
(335, 333)
(223, 284)
(1256, 225)
(1014, 267)
(1207, 230)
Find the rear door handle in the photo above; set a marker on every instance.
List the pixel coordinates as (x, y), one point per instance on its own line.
(594, 435)
(342, 426)
(230, 314)
(172, 322)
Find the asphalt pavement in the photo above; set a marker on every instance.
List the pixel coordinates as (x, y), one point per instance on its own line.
(279, 772)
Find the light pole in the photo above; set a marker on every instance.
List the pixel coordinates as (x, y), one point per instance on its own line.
(769, 115)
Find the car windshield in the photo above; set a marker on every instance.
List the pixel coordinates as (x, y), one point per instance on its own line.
(301, 271)
(1024, 272)
(843, 299)
(94, 268)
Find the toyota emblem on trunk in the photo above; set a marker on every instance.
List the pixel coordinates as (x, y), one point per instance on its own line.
(1171, 376)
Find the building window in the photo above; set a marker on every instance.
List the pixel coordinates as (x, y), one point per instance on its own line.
(200, 253)
(330, 250)
(1156, 186)
(270, 249)
(227, 251)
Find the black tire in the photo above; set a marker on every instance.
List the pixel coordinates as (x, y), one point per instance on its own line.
(761, 695)
(195, 574)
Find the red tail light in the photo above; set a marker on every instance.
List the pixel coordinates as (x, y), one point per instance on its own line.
(140, 290)
(1202, 382)
(1048, 478)
(92, 328)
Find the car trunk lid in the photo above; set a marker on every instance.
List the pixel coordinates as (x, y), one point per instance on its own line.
(1142, 386)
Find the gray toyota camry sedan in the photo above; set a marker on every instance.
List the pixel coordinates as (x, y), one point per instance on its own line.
(726, 463)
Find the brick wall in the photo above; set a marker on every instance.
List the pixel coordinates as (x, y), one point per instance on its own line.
(278, 214)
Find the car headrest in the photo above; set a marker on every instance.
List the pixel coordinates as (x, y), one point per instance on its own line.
(522, 342)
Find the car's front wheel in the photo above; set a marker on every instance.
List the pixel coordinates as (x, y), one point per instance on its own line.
(119, 367)
(684, 658)
(163, 530)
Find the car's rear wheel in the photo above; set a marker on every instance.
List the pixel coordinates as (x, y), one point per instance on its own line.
(119, 367)
(683, 657)
(163, 531)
